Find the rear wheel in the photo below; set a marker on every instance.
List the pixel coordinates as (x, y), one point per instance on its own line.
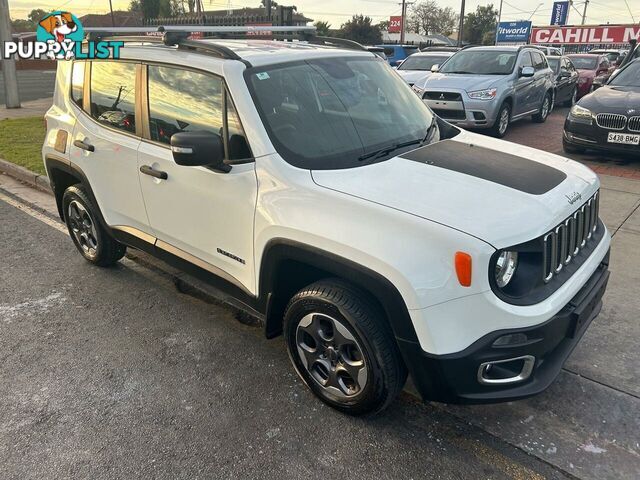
(90, 238)
(501, 125)
(342, 347)
(544, 111)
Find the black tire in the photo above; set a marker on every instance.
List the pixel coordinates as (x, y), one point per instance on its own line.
(90, 238)
(499, 129)
(573, 99)
(545, 109)
(571, 149)
(351, 309)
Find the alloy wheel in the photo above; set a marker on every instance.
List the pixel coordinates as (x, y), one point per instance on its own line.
(83, 228)
(504, 121)
(331, 355)
(545, 107)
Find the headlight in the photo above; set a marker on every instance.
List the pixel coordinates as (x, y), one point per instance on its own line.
(580, 114)
(488, 94)
(506, 266)
(419, 91)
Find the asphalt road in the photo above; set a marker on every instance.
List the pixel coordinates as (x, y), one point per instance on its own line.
(111, 373)
(32, 84)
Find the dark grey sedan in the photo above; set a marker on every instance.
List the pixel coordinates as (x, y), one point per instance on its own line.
(566, 80)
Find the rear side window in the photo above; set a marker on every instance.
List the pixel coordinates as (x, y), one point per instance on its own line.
(183, 101)
(77, 83)
(113, 95)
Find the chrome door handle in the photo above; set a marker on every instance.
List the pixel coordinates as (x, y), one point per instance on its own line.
(84, 146)
(147, 170)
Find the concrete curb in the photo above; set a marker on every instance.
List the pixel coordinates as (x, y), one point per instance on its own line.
(41, 182)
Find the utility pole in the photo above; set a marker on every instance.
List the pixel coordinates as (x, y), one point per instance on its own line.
(113, 20)
(461, 24)
(404, 18)
(498, 23)
(11, 94)
(584, 13)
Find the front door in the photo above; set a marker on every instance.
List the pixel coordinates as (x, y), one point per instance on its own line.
(105, 143)
(200, 215)
(523, 86)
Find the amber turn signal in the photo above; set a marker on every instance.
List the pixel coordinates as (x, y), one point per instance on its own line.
(463, 268)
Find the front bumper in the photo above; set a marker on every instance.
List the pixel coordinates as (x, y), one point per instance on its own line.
(466, 112)
(594, 137)
(455, 378)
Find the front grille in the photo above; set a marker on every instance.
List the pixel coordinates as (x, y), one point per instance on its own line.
(634, 124)
(611, 121)
(565, 242)
(443, 96)
(450, 114)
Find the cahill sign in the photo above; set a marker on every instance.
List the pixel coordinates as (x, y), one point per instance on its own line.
(610, 34)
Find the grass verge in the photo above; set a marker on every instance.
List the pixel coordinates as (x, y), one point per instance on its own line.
(21, 142)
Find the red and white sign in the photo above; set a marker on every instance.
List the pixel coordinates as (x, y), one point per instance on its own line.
(395, 24)
(585, 35)
(259, 33)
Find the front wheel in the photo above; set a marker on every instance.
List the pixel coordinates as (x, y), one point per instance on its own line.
(544, 111)
(342, 347)
(501, 125)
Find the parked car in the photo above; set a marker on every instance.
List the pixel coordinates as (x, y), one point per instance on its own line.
(397, 53)
(419, 65)
(614, 56)
(379, 51)
(566, 80)
(379, 239)
(609, 118)
(490, 87)
(549, 51)
(589, 67)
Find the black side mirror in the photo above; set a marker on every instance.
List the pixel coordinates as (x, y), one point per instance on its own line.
(199, 149)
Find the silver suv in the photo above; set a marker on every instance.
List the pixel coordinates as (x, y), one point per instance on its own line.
(490, 87)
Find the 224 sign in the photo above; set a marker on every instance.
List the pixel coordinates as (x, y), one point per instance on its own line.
(395, 24)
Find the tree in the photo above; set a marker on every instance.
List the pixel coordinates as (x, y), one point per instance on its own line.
(361, 29)
(30, 24)
(480, 26)
(384, 25)
(322, 28)
(427, 18)
(36, 15)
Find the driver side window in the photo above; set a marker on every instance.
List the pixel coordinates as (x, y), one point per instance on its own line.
(525, 60)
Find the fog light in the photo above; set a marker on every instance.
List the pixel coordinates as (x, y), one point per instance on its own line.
(511, 340)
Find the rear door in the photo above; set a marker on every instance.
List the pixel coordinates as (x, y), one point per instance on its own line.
(106, 139)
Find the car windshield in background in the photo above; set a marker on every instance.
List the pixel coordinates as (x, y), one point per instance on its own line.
(338, 112)
(478, 62)
(584, 63)
(629, 77)
(421, 62)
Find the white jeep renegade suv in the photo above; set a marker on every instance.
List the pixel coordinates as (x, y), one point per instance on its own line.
(310, 184)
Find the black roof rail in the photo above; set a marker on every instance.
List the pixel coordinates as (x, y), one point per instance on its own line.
(334, 41)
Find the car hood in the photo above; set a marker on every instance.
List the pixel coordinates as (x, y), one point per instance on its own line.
(610, 99)
(468, 83)
(499, 192)
(413, 76)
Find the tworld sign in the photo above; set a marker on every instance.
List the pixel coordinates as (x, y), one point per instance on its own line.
(610, 34)
(560, 13)
(513, 32)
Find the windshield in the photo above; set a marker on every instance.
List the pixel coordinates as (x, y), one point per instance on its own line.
(478, 62)
(330, 113)
(585, 63)
(554, 63)
(629, 77)
(422, 62)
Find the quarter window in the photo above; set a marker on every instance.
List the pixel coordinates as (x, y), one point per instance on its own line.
(77, 83)
(113, 95)
(539, 61)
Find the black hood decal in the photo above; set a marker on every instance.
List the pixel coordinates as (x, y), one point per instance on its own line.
(505, 169)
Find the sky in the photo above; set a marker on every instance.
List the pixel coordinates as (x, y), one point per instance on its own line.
(337, 12)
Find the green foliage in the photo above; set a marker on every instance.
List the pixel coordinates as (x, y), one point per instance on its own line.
(21, 142)
(322, 28)
(480, 26)
(30, 24)
(361, 29)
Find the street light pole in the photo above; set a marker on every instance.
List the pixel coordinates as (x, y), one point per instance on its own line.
(11, 94)
(498, 23)
(461, 24)
(584, 13)
(113, 20)
(404, 18)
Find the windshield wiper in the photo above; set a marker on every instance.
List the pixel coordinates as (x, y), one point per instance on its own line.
(461, 72)
(430, 130)
(387, 150)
